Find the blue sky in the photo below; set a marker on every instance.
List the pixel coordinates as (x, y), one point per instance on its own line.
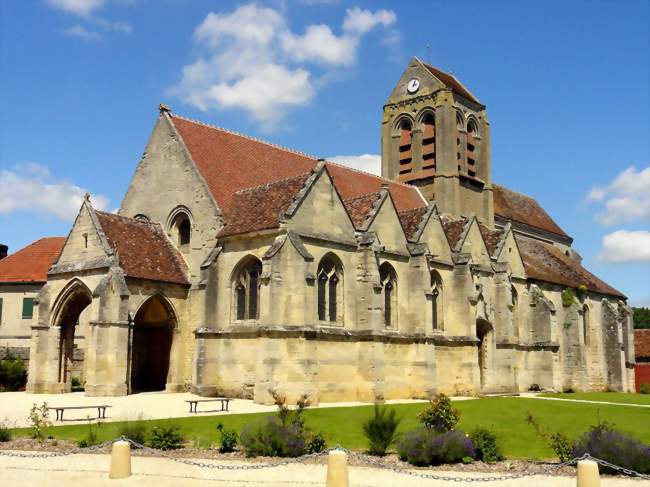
(565, 84)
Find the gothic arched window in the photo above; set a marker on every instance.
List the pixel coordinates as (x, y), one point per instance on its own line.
(330, 289)
(246, 286)
(472, 152)
(405, 151)
(514, 303)
(388, 279)
(180, 228)
(184, 232)
(460, 129)
(436, 301)
(429, 141)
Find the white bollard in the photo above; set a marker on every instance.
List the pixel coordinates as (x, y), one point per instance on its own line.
(120, 460)
(337, 469)
(588, 475)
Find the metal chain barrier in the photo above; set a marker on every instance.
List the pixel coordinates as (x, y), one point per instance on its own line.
(360, 457)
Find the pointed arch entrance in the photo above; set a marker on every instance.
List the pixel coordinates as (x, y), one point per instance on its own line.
(151, 343)
(73, 302)
(484, 332)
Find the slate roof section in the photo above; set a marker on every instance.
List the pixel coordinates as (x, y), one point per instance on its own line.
(547, 263)
(518, 207)
(144, 250)
(231, 162)
(360, 207)
(410, 220)
(30, 264)
(453, 229)
(492, 238)
(450, 81)
(260, 208)
(642, 343)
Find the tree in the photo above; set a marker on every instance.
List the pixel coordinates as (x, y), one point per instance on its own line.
(641, 317)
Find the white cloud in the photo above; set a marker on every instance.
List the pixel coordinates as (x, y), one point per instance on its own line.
(625, 246)
(366, 162)
(82, 8)
(249, 59)
(81, 31)
(626, 198)
(31, 187)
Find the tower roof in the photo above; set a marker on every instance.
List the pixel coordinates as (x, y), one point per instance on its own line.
(451, 82)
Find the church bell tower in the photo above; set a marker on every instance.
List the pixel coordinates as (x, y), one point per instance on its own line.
(436, 136)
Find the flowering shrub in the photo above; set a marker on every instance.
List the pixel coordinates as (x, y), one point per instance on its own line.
(425, 446)
(439, 415)
(605, 443)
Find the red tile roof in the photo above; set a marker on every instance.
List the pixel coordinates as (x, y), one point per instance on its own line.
(450, 81)
(259, 208)
(453, 229)
(545, 262)
(520, 208)
(410, 220)
(492, 238)
(31, 263)
(143, 249)
(359, 208)
(642, 343)
(231, 162)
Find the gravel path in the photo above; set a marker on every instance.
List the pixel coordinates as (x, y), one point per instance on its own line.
(85, 470)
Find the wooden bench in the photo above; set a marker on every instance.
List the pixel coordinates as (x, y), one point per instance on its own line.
(195, 402)
(101, 410)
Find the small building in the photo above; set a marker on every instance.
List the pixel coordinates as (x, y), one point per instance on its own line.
(642, 355)
(22, 275)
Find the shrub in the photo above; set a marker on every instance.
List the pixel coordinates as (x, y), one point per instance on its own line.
(381, 430)
(166, 437)
(76, 385)
(39, 420)
(425, 446)
(271, 438)
(568, 297)
(644, 388)
(604, 442)
(135, 431)
(439, 415)
(229, 439)
(485, 445)
(535, 388)
(316, 442)
(92, 437)
(5, 432)
(13, 374)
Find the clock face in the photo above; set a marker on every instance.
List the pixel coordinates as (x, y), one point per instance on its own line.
(413, 85)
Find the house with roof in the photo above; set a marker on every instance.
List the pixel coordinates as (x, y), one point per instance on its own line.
(22, 275)
(236, 267)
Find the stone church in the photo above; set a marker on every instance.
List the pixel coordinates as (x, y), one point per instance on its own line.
(235, 266)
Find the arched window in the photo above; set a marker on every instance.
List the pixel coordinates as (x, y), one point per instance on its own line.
(246, 288)
(330, 290)
(405, 152)
(180, 229)
(585, 324)
(429, 141)
(436, 301)
(184, 232)
(472, 153)
(460, 129)
(388, 279)
(514, 304)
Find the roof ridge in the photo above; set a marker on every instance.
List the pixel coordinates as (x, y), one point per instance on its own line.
(129, 218)
(244, 136)
(253, 188)
(516, 192)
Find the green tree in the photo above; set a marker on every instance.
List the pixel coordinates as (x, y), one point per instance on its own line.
(641, 317)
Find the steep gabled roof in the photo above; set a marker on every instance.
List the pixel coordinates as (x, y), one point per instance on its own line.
(492, 238)
(143, 249)
(30, 264)
(231, 162)
(411, 219)
(453, 229)
(360, 207)
(259, 208)
(451, 82)
(547, 263)
(519, 208)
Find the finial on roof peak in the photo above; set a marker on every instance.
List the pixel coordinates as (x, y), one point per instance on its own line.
(164, 108)
(87, 197)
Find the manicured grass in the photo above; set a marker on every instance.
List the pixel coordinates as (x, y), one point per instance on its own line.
(618, 397)
(506, 416)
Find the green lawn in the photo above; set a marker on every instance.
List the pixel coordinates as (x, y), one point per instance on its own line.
(506, 416)
(618, 397)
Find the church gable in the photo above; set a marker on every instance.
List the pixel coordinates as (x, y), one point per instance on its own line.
(509, 252)
(86, 241)
(386, 224)
(427, 83)
(474, 245)
(433, 234)
(320, 210)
